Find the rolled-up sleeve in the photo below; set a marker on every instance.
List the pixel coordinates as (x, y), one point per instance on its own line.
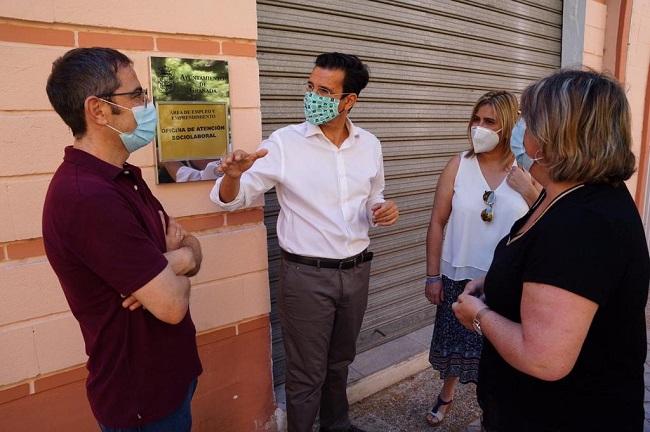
(235, 204)
(265, 173)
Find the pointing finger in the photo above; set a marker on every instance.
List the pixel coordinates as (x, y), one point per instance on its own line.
(258, 154)
(261, 153)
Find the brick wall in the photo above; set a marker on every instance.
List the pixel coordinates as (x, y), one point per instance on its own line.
(41, 372)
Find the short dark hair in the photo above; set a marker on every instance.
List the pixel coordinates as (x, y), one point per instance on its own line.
(80, 73)
(356, 73)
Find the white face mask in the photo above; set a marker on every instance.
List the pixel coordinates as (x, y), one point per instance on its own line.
(484, 139)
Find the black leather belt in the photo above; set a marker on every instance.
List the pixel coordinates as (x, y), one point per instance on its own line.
(342, 264)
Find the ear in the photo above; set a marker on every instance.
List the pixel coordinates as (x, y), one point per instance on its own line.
(349, 101)
(96, 111)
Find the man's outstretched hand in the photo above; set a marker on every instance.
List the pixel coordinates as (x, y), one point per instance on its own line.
(237, 162)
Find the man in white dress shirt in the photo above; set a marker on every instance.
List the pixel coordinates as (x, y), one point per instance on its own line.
(329, 179)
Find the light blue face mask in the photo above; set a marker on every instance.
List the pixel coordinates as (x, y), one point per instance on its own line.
(320, 109)
(146, 119)
(517, 145)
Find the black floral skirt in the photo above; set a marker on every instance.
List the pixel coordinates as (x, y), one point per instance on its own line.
(455, 351)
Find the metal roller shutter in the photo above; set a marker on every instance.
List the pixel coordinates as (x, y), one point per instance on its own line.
(429, 63)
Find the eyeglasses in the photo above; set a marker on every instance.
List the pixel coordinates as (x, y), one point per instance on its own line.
(138, 93)
(322, 91)
(489, 197)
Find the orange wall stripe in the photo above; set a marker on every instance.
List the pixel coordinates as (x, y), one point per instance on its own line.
(31, 248)
(36, 35)
(25, 249)
(253, 324)
(244, 217)
(60, 34)
(238, 49)
(191, 46)
(644, 152)
(119, 41)
(622, 38)
(13, 393)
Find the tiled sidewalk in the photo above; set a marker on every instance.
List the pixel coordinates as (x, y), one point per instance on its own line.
(391, 353)
(402, 407)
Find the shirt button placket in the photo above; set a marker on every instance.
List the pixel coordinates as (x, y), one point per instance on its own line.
(340, 173)
(343, 191)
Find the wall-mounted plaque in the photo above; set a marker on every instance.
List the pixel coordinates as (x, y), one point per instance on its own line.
(192, 97)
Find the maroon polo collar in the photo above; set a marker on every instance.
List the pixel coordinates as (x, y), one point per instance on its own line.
(93, 163)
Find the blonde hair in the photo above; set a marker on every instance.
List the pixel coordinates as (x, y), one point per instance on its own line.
(506, 109)
(581, 120)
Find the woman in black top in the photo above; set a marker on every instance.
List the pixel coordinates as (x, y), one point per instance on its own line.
(563, 317)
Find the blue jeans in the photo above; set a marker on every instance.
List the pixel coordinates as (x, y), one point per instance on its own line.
(178, 421)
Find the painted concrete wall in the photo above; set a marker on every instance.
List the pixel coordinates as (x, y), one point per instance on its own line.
(41, 348)
(595, 25)
(602, 52)
(636, 74)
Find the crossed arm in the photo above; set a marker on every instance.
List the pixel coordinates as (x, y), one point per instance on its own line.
(167, 295)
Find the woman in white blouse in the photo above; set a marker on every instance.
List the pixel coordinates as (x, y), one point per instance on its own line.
(480, 194)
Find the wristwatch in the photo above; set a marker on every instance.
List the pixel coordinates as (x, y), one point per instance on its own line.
(476, 322)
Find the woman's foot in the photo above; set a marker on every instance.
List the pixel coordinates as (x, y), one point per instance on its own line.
(437, 414)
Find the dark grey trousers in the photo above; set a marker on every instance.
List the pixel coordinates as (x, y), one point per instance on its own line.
(321, 311)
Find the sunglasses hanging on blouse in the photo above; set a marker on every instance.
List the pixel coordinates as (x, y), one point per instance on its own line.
(488, 213)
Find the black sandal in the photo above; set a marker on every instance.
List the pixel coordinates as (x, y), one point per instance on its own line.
(435, 417)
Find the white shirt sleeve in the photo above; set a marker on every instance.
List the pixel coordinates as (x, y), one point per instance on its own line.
(187, 174)
(209, 173)
(376, 187)
(265, 173)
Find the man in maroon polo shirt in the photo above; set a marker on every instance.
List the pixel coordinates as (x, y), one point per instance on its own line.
(124, 265)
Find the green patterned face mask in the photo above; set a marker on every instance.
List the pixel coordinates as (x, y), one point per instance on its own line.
(320, 109)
